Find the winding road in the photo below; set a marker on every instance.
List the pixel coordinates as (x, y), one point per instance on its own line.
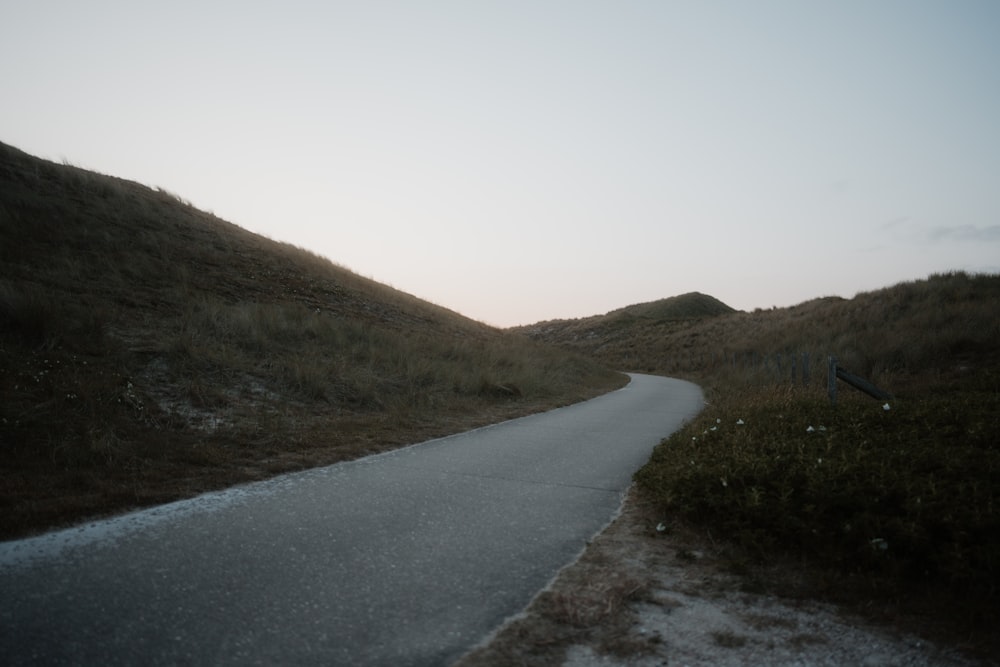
(406, 558)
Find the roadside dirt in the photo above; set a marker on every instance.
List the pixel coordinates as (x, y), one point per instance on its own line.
(646, 594)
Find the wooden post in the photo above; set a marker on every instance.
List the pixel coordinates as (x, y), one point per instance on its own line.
(836, 373)
(862, 384)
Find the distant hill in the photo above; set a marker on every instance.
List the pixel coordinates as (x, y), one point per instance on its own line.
(623, 327)
(684, 307)
(149, 351)
(916, 329)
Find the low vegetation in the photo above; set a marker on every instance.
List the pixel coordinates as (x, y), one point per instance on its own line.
(150, 351)
(892, 504)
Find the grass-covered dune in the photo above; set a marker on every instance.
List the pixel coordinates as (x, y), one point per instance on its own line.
(150, 351)
(894, 504)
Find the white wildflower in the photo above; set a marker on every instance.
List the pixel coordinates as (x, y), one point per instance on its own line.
(740, 422)
(879, 544)
(810, 429)
(886, 407)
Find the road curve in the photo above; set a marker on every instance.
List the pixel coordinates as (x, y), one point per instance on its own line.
(404, 558)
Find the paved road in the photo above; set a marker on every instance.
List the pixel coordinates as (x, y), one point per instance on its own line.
(405, 558)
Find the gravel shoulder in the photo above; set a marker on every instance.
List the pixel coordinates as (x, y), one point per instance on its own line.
(643, 597)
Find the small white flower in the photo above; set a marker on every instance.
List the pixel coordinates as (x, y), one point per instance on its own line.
(740, 422)
(714, 428)
(723, 480)
(886, 407)
(822, 428)
(718, 421)
(660, 527)
(810, 429)
(880, 544)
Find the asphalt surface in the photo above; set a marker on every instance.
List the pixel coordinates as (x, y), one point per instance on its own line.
(406, 558)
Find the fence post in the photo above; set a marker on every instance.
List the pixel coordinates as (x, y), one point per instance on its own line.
(862, 384)
(831, 381)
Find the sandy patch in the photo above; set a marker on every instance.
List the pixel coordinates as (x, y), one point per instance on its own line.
(644, 597)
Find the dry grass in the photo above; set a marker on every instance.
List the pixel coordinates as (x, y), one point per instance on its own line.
(150, 351)
(590, 603)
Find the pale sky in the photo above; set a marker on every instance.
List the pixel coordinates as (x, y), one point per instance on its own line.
(520, 161)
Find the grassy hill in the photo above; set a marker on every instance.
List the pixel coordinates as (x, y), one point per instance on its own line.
(634, 336)
(893, 506)
(150, 351)
(913, 332)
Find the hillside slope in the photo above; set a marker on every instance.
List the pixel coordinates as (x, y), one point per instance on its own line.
(149, 351)
(633, 337)
(908, 332)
